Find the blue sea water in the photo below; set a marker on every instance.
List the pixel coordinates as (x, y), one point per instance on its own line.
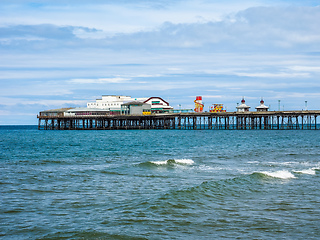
(159, 184)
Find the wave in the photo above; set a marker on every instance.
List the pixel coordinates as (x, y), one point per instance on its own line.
(310, 171)
(90, 234)
(280, 163)
(214, 194)
(169, 162)
(112, 173)
(253, 162)
(208, 193)
(209, 168)
(316, 168)
(232, 187)
(174, 161)
(282, 174)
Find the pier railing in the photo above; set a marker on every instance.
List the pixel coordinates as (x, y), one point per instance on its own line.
(280, 120)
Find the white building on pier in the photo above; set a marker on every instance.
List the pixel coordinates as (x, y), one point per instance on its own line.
(262, 107)
(243, 107)
(113, 103)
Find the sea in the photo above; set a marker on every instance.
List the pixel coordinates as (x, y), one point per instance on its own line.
(159, 184)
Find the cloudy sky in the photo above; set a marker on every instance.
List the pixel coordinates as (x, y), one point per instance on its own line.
(65, 53)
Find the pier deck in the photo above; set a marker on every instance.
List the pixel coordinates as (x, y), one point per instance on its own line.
(281, 120)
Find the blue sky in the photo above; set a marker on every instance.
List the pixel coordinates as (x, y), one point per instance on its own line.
(66, 53)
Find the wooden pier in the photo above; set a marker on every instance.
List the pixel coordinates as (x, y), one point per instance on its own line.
(273, 120)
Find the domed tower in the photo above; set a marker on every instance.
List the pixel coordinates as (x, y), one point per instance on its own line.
(262, 107)
(243, 107)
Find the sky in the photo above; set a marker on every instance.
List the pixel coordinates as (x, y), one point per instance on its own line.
(65, 53)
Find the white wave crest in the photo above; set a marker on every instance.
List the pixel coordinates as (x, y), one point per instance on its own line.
(284, 174)
(209, 168)
(174, 161)
(160, 162)
(310, 171)
(184, 161)
(282, 163)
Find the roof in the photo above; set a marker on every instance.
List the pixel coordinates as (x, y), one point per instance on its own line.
(115, 96)
(158, 98)
(56, 110)
(243, 106)
(83, 109)
(262, 106)
(134, 103)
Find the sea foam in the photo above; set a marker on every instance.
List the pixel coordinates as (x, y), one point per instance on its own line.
(283, 174)
(310, 171)
(174, 161)
(184, 161)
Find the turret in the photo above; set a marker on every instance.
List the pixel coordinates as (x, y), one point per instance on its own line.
(243, 107)
(262, 107)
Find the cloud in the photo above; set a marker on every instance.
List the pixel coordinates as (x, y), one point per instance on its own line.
(43, 31)
(45, 36)
(44, 103)
(255, 29)
(55, 54)
(283, 28)
(212, 96)
(262, 29)
(120, 16)
(274, 75)
(314, 69)
(99, 80)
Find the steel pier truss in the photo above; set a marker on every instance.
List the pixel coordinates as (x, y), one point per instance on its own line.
(293, 120)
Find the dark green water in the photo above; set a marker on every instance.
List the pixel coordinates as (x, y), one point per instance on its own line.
(159, 184)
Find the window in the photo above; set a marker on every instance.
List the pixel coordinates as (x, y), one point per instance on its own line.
(156, 103)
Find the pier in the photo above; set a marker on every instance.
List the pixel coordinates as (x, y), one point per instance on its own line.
(272, 120)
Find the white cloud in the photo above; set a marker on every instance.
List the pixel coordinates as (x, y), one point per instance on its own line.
(274, 75)
(5, 113)
(145, 76)
(10, 102)
(212, 96)
(117, 16)
(261, 29)
(56, 55)
(99, 80)
(315, 69)
(174, 69)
